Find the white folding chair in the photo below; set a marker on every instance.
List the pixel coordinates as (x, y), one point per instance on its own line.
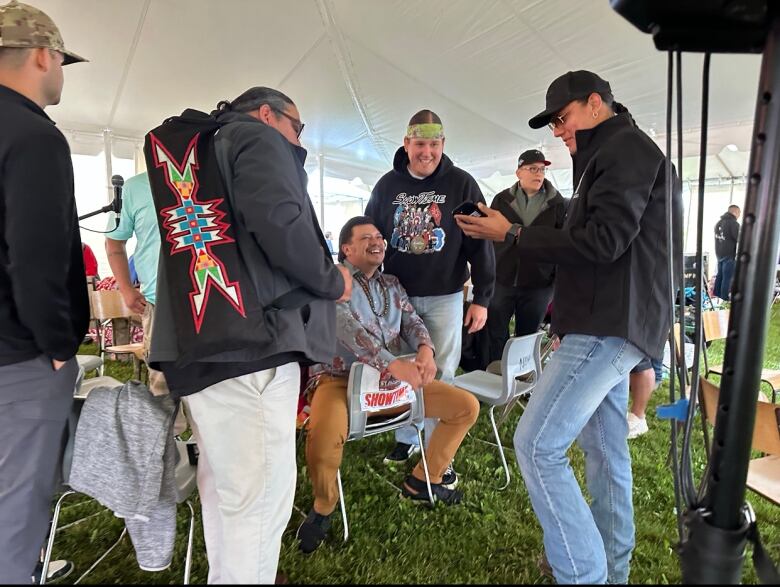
(362, 424)
(521, 367)
(184, 473)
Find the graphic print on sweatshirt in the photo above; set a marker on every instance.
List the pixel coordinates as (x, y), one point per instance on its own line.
(417, 223)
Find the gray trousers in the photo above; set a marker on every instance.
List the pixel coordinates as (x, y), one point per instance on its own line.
(35, 401)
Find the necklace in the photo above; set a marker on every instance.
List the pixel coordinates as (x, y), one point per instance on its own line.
(363, 281)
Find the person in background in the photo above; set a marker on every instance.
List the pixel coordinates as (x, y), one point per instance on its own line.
(139, 219)
(90, 261)
(726, 237)
(523, 289)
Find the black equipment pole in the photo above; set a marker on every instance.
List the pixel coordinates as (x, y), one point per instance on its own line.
(751, 295)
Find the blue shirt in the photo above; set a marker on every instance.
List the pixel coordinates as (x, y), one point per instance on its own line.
(140, 218)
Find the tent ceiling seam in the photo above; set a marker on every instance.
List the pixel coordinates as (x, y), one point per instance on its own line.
(350, 79)
(726, 167)
(303, 58)
(540, 38)
(129, 62)
(438, 93)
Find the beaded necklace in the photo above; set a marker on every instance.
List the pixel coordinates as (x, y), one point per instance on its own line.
(363, 281)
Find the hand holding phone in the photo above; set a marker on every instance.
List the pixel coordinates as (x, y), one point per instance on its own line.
(468, 208)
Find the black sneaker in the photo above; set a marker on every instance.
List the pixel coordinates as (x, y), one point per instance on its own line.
(312, 531)
(417, 490)
(58, 569)
(450, 478)
(401, 453)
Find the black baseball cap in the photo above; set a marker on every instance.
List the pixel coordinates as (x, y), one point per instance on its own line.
(572, 85)
(532, 156)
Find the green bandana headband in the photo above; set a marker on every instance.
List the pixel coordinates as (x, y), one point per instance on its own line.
(429, 130)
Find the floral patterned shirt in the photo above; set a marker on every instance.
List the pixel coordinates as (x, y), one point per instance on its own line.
(377, 331)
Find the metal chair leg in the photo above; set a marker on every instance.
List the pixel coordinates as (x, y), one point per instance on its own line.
(500, 448)
(52, 532)
(341, 504)
(425, 467)
(105, 554)
(188, 557)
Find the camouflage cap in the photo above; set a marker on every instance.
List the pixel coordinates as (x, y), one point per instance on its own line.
(24, 26)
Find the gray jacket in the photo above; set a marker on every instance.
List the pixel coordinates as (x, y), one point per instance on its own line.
(124, 456)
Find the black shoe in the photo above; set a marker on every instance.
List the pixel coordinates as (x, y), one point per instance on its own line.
(450, 478)
(417, 490)
(312, 531)
(58, 569)
(401, 453)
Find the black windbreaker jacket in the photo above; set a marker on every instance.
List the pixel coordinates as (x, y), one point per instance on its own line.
(726, 236)
(44, 309)
(513, 270)
(611, 254)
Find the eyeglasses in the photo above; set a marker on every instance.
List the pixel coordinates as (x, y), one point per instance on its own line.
(296, 124)
(557, 121)
(535, 169)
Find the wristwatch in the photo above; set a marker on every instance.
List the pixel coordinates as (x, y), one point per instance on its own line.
(513, 233)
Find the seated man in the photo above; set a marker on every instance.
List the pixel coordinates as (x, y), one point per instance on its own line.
(371, 329)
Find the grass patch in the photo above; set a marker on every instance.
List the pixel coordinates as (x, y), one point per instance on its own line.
(492, 538)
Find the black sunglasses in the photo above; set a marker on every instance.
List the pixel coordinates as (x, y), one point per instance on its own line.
(296, 124)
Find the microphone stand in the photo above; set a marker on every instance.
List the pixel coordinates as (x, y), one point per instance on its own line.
(109, 208)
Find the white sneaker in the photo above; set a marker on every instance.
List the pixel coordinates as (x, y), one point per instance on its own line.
(636, 426)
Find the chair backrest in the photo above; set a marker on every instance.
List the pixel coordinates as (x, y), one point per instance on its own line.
(766, 434)
(521, 358)
(715, 324)
(107, 304)
(363, 377)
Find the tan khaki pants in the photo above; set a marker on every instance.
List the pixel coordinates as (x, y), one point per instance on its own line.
(456, 409)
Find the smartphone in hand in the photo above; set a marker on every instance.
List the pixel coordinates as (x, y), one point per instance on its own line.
(468, 208)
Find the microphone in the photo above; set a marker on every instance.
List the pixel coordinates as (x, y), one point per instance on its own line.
(117, 181)
(116, 204)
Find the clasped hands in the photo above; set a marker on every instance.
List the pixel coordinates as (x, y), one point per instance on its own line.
(419, 372)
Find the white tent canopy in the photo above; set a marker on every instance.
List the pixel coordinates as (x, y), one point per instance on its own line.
(358, 69)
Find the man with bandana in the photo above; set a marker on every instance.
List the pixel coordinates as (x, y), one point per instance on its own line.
(431, 262)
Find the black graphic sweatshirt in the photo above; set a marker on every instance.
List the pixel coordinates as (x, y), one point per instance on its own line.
(425, 248)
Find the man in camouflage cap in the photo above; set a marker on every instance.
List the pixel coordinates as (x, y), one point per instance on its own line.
(44, 309)
(23, 26)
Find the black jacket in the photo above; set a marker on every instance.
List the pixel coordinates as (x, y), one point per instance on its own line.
(281, 248)
(726, 236)
(512, 270)
(426, 249)
(44, 307)
(611, 254)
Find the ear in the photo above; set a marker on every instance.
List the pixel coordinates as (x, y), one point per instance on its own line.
(406, 143)
(517, 173)
(595, 102)
(42, 59)
(265, 113)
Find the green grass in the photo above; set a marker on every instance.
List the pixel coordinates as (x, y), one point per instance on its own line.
(492, 538)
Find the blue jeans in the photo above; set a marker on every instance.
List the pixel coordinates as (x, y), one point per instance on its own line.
(583, 395)
(443, 317)
(723, 278)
